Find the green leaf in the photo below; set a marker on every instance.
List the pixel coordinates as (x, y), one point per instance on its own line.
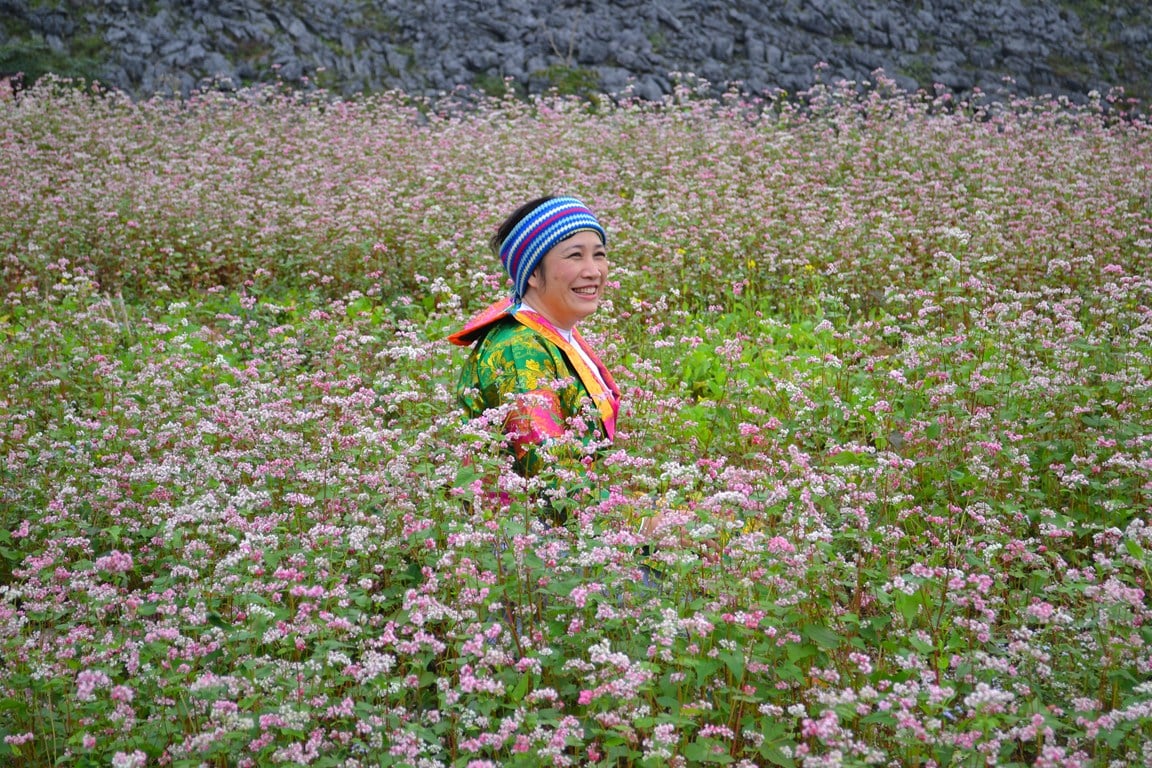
(13, 704)
(734, 660)
(822, 636)
(879, 718)
(791, 671)
(908, 605)
(704, 752)
(706, 670)
(1114, 737)
(921, 645)
(873, 629)
(798, 651)
(521, 688)
(774, 755)
(844, 458)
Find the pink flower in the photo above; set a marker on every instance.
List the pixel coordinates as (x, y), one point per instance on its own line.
(778, 545)
(115, 562)
(122, 693)
(88, 681)
(124, 760)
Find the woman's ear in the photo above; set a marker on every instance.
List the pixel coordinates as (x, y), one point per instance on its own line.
(536, 279)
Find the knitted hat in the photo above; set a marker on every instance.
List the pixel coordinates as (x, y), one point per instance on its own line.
(535, 234)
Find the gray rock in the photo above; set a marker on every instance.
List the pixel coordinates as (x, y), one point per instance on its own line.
(481, 60)
(667, 17)
(1017, 46)
(1135, 36)
(905, 83)
(952, 76)
(757, 51)
(51, 23)
(296, 28)
(815, 22)
(873, 37)
(396, 60)
(649, 89)
(614, 79)
(722, 48)
(172, 46)
(134, 68)
(115, 35)
(881, 19)
(486, 22)
(438, 45)
(193, 55)
(216, 66)
(713, 71)
(628, 59)
(291, 69)
(592, 52)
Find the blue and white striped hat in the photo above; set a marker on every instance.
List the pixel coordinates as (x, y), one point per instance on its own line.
(535, 234)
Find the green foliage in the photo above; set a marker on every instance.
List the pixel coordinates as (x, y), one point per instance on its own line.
(568, 80)
(35, 59)
(499, 87)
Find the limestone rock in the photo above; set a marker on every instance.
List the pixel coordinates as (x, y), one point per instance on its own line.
(431, 47)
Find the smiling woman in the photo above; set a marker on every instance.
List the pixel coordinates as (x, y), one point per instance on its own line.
(526, 351)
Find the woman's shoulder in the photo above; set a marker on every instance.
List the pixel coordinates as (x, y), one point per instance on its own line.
(509, 339)
(509, 330)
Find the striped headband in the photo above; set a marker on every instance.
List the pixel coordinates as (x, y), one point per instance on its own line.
(536, 234)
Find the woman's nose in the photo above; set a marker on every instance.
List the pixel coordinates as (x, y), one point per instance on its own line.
(592, 266)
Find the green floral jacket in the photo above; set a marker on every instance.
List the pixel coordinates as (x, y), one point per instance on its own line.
(520, 360)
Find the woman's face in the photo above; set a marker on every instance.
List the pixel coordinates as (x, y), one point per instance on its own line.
(569, 283)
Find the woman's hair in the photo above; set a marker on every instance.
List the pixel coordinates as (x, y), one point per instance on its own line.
(511, 222)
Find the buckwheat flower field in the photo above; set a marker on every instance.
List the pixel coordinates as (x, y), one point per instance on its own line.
(887, 366)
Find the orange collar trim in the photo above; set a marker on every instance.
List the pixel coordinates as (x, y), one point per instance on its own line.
(480, 321)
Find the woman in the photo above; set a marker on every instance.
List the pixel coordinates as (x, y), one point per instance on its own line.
(526, 352)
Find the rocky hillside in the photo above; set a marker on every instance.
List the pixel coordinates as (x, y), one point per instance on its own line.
(1026, 47)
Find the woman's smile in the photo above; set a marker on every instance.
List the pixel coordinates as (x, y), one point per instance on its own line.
(568, 284)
